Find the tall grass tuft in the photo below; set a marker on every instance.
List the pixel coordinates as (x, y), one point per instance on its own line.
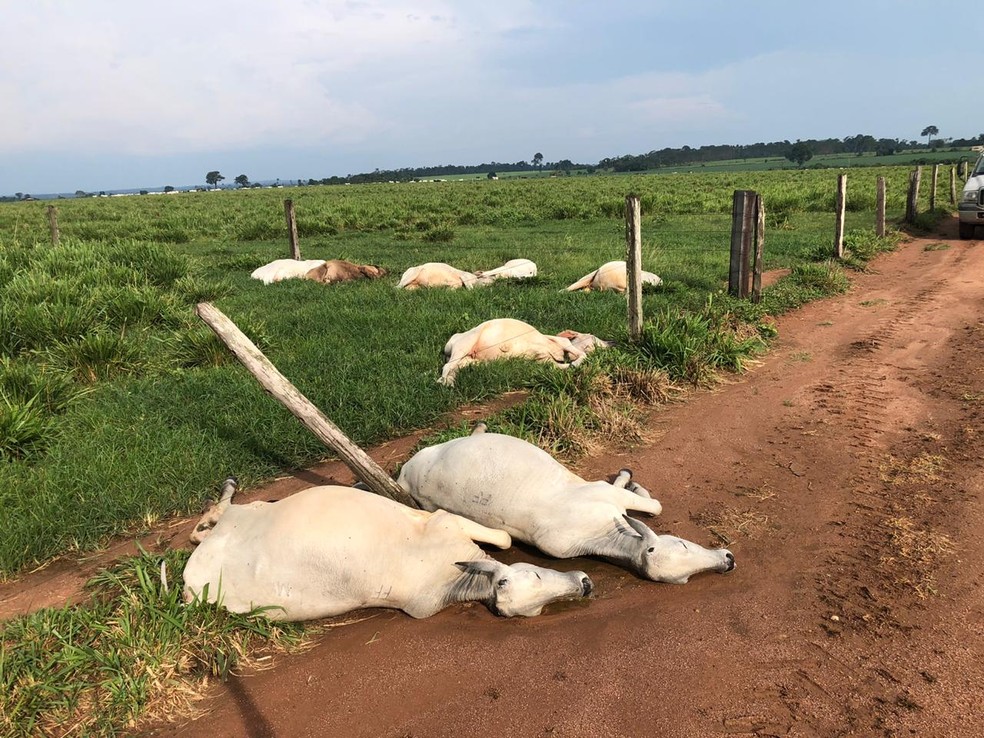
(25, 428)
(133, 653)
(693, 346)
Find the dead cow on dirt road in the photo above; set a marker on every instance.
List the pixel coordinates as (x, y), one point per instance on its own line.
(610, 276)
(328, 550)
(318, 270)
(500, 338)
(505, 482)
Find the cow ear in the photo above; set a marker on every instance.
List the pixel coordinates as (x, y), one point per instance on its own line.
(569, 335)
(643, 530)
(625, 529)
(488, 567)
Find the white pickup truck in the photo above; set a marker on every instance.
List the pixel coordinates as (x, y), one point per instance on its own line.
(971, 205)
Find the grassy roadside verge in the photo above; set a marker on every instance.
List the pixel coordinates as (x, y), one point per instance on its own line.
(134, 652)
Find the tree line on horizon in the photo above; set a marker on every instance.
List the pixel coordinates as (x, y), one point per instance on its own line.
(670, 157)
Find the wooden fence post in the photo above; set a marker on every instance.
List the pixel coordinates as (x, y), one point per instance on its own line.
(53, 224)
(759, 247)
(633, 264)
(743, 215)
(953, 185)
(364, 468)
(841, 208)
(932, 192)
(880, 207)
(295, 248)
(912, 200)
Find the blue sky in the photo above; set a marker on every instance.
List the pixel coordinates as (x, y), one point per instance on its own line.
(112, 94)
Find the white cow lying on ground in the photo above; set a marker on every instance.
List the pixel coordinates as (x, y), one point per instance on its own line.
(318, 270)
(436, 274)
(329, 550)
(610, 276)
(507, 483)
(512, 269)
(506, 337)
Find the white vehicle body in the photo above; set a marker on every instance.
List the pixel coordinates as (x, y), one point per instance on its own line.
(971, 205)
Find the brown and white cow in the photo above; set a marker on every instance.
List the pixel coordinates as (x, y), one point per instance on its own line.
(318, 270)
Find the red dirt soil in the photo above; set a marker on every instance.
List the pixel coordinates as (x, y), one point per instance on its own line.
(845, 472)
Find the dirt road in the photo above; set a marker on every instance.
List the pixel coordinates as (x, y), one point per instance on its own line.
(846, 474)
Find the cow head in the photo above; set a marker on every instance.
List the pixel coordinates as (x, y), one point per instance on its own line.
(523, 589)
(585, 341)
(371, 271)
(668, 558)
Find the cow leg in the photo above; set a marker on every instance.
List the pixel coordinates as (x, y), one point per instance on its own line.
(452, 367)
(633, 501)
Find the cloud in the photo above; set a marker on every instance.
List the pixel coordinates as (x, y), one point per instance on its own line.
(192, 76)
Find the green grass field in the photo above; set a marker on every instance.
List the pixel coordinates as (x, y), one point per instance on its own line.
(117, 407)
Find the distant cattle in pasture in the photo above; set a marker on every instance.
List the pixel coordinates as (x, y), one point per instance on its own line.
(436, 274)
(610, 276)
(318, 270)
(512, 269)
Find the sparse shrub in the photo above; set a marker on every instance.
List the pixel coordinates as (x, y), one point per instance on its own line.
(22, 380)
(439, 233)
(99, 355)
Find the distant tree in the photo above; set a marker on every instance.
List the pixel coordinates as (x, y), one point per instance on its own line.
(492, 175)
(538, 160)
(143, 192)
(242, 180)
(169, 189)
(19, 195)
(800, 153)
(213, 179)
(929, 132)
(565, 165)
(81, 193)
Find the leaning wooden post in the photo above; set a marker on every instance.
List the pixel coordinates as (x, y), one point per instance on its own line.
(932, 192)
(53, 224)
(759, 247)
(880, 208)
(841, 208)
(633, 264)
(295, 248)
(364, 468)
(953, 185)
(912, 200)
(742, 226)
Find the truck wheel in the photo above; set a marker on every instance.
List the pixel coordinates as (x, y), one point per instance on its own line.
(966, 230)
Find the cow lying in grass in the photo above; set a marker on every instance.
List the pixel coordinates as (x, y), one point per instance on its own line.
(317, 270)
(512, 269)
(436, 274)
(610, 276)
(506, 337)
(328, 550)
(505, 482)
